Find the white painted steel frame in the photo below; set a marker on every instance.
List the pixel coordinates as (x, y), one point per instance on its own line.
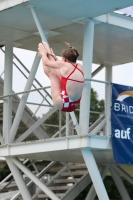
(41, 185)
(27, 91)
(78, 188)
(123, 173)
(97, 70)
(55, 144)
(60, 120)
(85, 111)
(38, 175)
(108, 77)
(98, 127)
(116, 20)
(7, 117)
(9, 150)
(87, 68)
(8, 4)
(7, 111)
(75, 122)
(38, 24)
(24, 98)
(10, 175)
(67, 124)
(120, 185)
(42, 34)
(19, 115)
(19, 180)
(95, 174)
(36, 125)
(92, 193)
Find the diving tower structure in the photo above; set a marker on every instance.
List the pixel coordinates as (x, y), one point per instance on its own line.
(103, 37)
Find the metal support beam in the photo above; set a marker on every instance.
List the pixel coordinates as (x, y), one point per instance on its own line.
(44, 171)
(97, 70)
(108, 73)
(10, 175)
(1, 138)
(120, 185)
(67, 124)
(38, 24)
(75, 122)
(87, 68)
(94, 174)
(92, 193)
(85, 110)
(22, 104)
(7, 113)
(60, 119)
(123, 173)
(41, 185)
(19, 180)
(108, 77)
(116, 20)
(36, 125)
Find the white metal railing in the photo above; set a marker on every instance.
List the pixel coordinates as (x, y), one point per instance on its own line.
(103, 92)
(39, 100)
(39, 175)
(22, 76)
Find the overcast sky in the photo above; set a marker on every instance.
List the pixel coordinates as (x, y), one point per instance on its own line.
(128, 11)
(122, 74)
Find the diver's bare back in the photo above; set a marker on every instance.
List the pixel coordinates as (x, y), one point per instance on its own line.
(74, 89)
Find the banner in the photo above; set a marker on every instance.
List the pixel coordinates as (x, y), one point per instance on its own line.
(122, 123)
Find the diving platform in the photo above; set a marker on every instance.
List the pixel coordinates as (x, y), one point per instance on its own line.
(60, 22)
(61, 163)
(63, 149)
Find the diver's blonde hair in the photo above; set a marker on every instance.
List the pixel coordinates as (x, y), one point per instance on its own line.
(68, 45)
(71, 54)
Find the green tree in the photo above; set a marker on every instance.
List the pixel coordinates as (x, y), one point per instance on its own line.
(95, 106)
(4, 171)
(111, 189)
(52, 123)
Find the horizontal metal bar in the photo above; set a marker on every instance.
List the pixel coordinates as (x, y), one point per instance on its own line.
(17, 93)
(26, 71)
(52, 125)
(41, 147)
(97, 70)
(9, 176)
(35, 179)
(38, 175)
(27, 78)
(39, 104)
(36, 125)
(63, 128)
(94, 80)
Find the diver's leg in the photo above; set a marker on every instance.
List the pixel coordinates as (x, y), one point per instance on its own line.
(55, 86)
(56, 91)
(50, 57)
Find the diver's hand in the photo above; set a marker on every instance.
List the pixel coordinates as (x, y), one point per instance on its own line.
(41, 50)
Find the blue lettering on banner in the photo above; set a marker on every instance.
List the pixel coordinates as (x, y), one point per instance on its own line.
(122, 123)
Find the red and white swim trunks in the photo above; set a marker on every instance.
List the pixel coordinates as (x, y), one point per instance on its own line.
(68, 104)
